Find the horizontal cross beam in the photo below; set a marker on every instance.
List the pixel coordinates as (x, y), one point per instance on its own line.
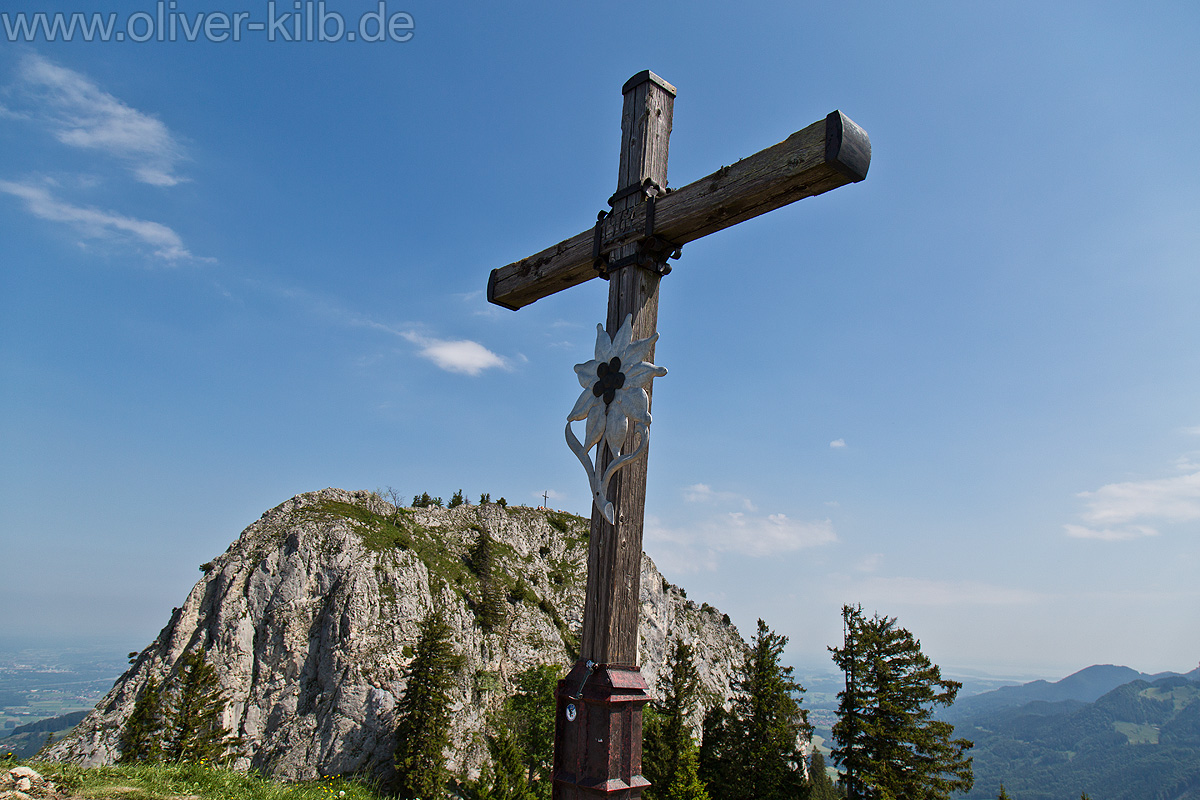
(822, 157)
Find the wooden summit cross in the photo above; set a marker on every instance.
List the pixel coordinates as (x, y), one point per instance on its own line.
(598, 728)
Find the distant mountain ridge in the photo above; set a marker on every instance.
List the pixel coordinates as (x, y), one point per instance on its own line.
(1085, 686)
(1140, 740)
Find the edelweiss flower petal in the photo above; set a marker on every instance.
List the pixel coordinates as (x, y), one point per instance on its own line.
(641, 373)
(604, 345)
(583, 405)
(595, 425)
(587, 373)
(639, 350)
(636, 404)
(616, 425)
(623, 337)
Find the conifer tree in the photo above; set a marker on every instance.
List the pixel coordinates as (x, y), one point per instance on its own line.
(456, 500)
(193, 730)
(755, 755)
(1004, 795)
(423, 714)
(820, 786)
(491, 609)
(888, 743)
(718, 755)
(686, 784)
(666, 730)
(141, 736)
(507, 779)
(529, 715)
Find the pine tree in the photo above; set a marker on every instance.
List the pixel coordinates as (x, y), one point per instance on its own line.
(141, 735)
(529, 715)
(1004, 795)
(423, 714)
(490, 609)
(755, 755)
(820, 786)
(456, 500)
(666, 729)
(889, 745)
(655, 759)
(686, 784)
(193, 730)
(508, 779)
(718, 755)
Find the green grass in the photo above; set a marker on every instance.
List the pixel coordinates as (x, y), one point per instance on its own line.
(1137, 733)
(170, 781)
(381, 534)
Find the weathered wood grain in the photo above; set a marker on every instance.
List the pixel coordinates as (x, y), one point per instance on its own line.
(824, 156)
(610, 616)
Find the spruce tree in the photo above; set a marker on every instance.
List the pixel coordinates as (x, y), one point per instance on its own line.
(654, 753)
(666, 729)
(1004, 795)
(193, 730)
(718, 757)
(490, 609)
(754, 755)
(533, 706)
(423, 714)
(141, 736)
(888, 742)
(820, 786)
(507, 779)
(686, 784)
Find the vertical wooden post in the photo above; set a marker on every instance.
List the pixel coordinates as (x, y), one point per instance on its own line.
(598, 753)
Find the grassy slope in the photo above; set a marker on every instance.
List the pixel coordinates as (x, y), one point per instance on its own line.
(172, 781)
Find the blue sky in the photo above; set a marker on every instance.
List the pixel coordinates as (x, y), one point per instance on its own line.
(965, 392)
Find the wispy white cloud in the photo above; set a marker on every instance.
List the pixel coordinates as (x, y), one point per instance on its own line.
(890, 592)
(703, 493)
(81, 114)
(93, 223)
(1173, 499)
(728, 526)
(1110, 534)
(462, 356)
(837, 444)
(869, 563)
(8, 113)
(1122, 511)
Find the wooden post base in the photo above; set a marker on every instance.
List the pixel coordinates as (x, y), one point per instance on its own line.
(598, 733)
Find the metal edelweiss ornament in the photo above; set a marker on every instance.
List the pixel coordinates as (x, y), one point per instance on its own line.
(614, 394)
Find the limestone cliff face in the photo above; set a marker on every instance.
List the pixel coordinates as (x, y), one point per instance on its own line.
(311, 616)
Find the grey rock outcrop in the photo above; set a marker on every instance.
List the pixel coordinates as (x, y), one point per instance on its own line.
(311, 616)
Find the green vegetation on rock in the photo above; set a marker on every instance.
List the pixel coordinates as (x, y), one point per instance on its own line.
(144, 781)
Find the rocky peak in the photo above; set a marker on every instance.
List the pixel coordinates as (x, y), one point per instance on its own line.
(311, 615)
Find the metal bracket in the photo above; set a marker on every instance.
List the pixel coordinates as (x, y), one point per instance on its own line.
(591, 667)
(652, 250)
